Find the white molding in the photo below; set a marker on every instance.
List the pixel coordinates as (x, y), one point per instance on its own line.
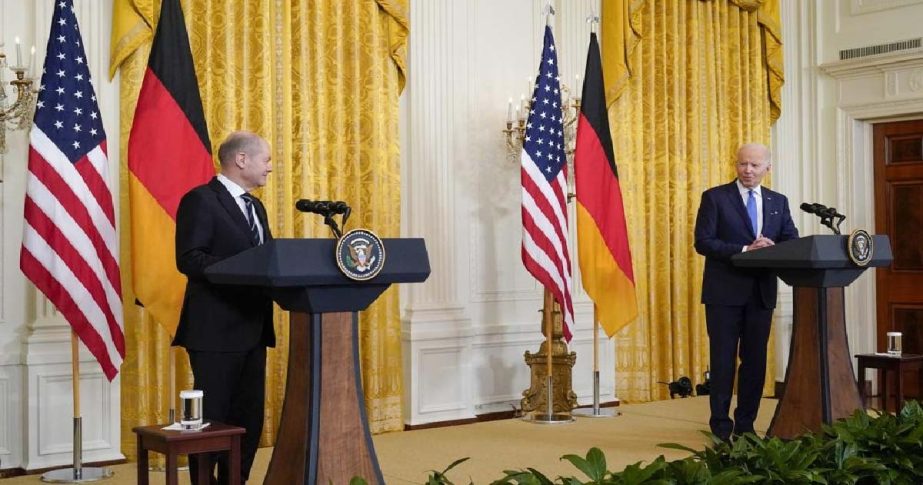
(862, 7)
(437, 393)
(434, 402)
(11, 420)
(873, 65)
(50, 416)
(439, 56)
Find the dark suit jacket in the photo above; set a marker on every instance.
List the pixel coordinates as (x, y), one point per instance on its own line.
(218, 318)
(722, 229)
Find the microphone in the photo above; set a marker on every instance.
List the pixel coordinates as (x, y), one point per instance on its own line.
(339, 207)
(327, 209)
(826, 214)
(820, 210)
(322, 207)
(817, 209)
(313, 206)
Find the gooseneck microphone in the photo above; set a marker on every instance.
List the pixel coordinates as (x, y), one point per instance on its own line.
(809, 208)
(327, 209)
(826, 214)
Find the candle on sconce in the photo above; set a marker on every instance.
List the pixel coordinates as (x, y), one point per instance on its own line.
(18, 53)
(518, 114)
(578, 88)
(509, 110)
(529, 92)
(32, 63)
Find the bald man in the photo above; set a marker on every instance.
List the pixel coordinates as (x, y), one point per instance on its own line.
(733, 218)
(226, 329)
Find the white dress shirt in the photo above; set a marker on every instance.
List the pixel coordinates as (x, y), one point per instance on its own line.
(236, 192)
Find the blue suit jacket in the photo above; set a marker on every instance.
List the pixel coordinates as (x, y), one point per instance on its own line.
(722, 229)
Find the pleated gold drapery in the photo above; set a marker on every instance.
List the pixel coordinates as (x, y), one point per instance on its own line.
(688, 81)
(320, 80)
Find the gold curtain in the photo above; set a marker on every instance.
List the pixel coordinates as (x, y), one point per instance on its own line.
(320, 80)
(688, 81)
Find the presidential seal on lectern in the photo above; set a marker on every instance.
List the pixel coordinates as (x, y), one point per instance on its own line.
(860, 248)
(360, 254)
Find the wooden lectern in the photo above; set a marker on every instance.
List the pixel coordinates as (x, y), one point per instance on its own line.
(820, 386)
(324, 434)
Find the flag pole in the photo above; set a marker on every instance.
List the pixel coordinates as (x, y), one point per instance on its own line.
(171, 366)
(78, 425)
(78, 473)
(171, 403)
(549, 367)
(596, 411)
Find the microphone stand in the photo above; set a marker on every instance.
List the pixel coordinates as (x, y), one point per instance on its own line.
(839, 220)
(827, 220)
(328, 212)
(328, 219)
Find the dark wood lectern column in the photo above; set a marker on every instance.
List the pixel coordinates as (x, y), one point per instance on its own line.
(820, 386)
(324, 435)
(820, 368)
(323, 402)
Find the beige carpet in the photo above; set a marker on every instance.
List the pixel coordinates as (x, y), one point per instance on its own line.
(494, 446)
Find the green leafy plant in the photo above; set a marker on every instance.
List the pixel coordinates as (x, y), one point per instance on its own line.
(858, 450)
(439, 478)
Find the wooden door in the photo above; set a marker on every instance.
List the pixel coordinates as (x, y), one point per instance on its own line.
(898, 148)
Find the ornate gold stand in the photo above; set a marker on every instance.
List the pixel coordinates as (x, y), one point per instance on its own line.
(564, 399)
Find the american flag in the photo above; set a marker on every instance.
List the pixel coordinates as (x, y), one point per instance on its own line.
(544, 188)
(70, 248)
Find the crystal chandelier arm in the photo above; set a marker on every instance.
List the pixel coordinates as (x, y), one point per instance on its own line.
(19, 112)
(18, 115)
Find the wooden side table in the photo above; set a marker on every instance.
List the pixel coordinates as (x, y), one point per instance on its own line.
(887, 363)
(216, 437)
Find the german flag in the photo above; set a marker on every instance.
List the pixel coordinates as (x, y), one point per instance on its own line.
(169, 152)
(602, 235)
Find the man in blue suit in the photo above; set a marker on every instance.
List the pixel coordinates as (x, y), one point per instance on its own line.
(733, 218)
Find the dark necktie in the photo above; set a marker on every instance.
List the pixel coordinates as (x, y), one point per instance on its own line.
(751, 211)
(251, 219)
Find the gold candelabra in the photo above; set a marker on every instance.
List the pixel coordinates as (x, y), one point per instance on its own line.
(516, 122)
(536, 397)
(17, 115)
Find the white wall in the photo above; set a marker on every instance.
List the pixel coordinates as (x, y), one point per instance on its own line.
(35, 357)
(466, 329)
(823, 139)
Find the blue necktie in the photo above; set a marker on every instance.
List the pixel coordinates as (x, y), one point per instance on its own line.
(751, 211)
(251, 219)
